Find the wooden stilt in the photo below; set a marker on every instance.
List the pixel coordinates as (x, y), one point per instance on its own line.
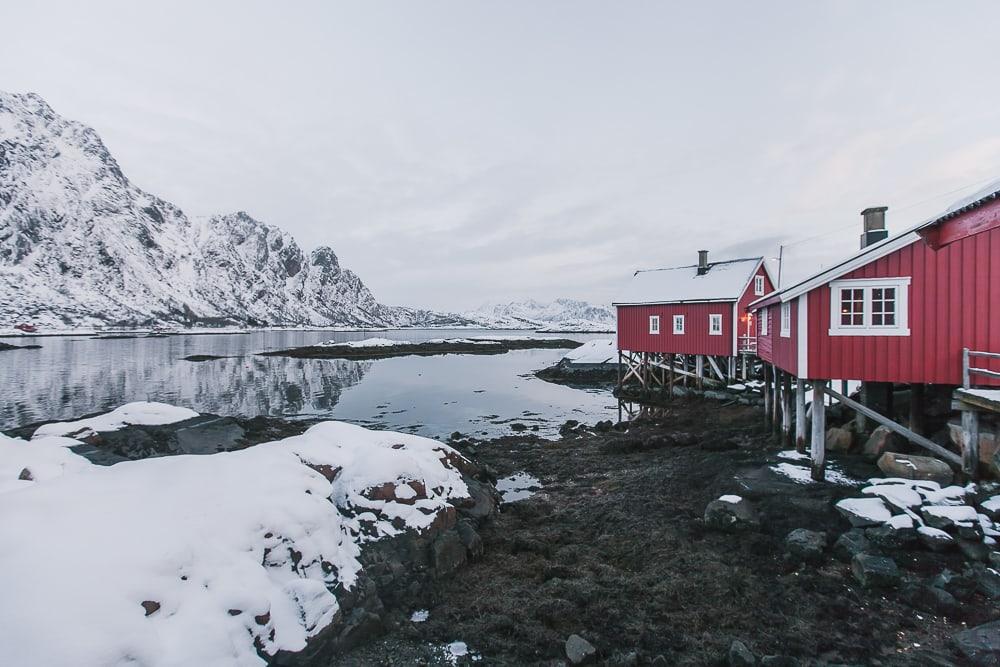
(699, 369)
(670, 374)
(818, 448)
(786, 409)
(917, 393)
(684, 366)
(970, 434)
(767, 394)
(776, 398)
(800, 415)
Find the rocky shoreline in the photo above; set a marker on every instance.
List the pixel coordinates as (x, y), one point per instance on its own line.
(484, 345)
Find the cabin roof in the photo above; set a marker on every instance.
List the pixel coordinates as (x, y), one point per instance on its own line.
(875, 251)
(724, 281)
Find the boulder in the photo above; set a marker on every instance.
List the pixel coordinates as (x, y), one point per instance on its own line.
(991, 507)
(779, 661)
(470, 538)
(882, 440)
(839, 439)
(731, 514)
(960, 586)
(740, 656)
(930, 599)
(579, 651)
(908, 466)
(448, 553)
(950, 516)
(807, 545)
(900, 496)
(889, 536)
(980, 645)
(864, 511)
(935, 539)
(974, 551)
(850, 544)
(988, 582)
(874, 571)
(995, 559)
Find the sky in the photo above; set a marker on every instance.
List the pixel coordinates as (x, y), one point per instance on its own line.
(458, 153)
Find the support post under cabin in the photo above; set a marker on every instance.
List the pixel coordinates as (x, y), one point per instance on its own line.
(786, 409)
(818, 448)
(670, 375)
(970, 435)
(776, 399)
(917, 392)
(699, 370)
(800, 415)
(767, 394)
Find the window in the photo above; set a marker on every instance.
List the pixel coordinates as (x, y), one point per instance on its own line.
(786, 320)
(869, 307)
(758, 285)
(715, 324)
(678, 324)
(654, 324)
(763, 321)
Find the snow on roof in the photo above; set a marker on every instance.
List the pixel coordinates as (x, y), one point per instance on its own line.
(724, 281)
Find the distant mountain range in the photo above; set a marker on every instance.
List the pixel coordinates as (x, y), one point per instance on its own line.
(81, 246)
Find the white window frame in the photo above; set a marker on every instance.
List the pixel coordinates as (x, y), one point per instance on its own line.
(900, 328)
(758, 285)
(763, 321)
(786, 319)
(713, 320)
(654, 325)
(679, 324)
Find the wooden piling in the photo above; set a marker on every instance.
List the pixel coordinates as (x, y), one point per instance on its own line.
(786, 409)
(767, 394)
(818, 448)
(800, 415)
(917, 393)
(970, 434)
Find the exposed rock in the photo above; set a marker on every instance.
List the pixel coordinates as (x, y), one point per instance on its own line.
(952, 516)
(779, 661)
(974, 551)
(470, 538)
(740, 656)
(483, 500)
(908, 466)
(882, 440)
(960, 586)
(731, 516)
(448, 553)
(150, 606)
(807, 545)
(874, 571)
(579, 651)
(935, 539)
(864, 511)
(888, 536)
(980, 645)
(991, 507)
(26, 475)
(839, 439)
(850, 544)
(988, 582)
(930, 598)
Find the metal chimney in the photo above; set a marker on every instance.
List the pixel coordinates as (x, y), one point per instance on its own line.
(873, 229)
(702, 262)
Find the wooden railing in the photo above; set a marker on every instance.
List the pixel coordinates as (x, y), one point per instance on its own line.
(748, 344)
(968, 370)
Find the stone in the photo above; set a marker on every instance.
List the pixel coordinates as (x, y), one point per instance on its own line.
(974, 551)
(980, 645)
(935, 539)
(864, 511)
(779, 661)
(482, 503)
(882, 440)
(930, 599)
(988, 582)
(909, 466)
(579, 651)
(873, 571)
(26, 475)
(807, 545)
(991, 507)
(889, 537)
(731, 516)
(900, 496)
(470, 538)
(839, 439)
(447, 553)
(960, 586)
(850, 544)
(150, 607)
(995, 559)
(950, 516)
(740, 656)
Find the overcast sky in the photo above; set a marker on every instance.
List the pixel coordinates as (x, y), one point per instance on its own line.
(454, 153)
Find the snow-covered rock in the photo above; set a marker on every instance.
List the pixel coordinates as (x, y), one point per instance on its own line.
(864, 511)
(200, 560)
(81, 246)
(594, 352)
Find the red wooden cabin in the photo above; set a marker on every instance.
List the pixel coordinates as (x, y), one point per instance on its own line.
(901, 310)
(698, 310)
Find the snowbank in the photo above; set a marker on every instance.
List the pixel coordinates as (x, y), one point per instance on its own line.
(387, 342)
(604, 351)
(142, 413)
(191, 560)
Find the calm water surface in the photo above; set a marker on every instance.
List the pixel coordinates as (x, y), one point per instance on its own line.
(433, 396)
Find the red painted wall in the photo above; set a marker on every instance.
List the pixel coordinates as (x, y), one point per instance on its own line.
(765, 344)
(954, 302)
(633, 329)
(749, 296)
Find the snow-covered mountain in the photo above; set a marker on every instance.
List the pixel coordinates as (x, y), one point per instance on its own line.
(82, 246)
(558, 315)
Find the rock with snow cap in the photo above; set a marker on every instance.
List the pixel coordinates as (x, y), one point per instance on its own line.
(864, 511)
(909, 466)
(991, 507)
(950, 516)
(935, 539)
(898, 495)
(731, 514)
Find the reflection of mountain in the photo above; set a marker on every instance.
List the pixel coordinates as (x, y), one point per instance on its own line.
(239, 386)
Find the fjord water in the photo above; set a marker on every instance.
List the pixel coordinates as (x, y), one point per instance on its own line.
(71, 376)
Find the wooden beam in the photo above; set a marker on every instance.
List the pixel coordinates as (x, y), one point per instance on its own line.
(767, 394)
(818, 448)
(978, 401)
(715, 367)
(949, 456)
(776, 398)
(970, 434)
(699, 369)
(786, 409)
(800, 416)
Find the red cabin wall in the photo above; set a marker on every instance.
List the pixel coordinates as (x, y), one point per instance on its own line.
(954, 302)
(633, 329)
(748, 297)
(765, 343)
(780, 350)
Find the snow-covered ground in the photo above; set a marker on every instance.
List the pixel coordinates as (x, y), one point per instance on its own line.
(188, 560)
(388, 342)
(603, 351)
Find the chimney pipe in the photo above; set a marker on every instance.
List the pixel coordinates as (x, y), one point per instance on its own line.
(702, 262)
(873, 227)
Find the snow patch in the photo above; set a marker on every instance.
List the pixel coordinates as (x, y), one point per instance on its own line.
(135, 414)
(801, 475)
(594, 352)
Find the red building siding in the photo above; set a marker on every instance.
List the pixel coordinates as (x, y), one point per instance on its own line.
(749, 296)
(634, 336)
(954, 302)
(774, 348)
